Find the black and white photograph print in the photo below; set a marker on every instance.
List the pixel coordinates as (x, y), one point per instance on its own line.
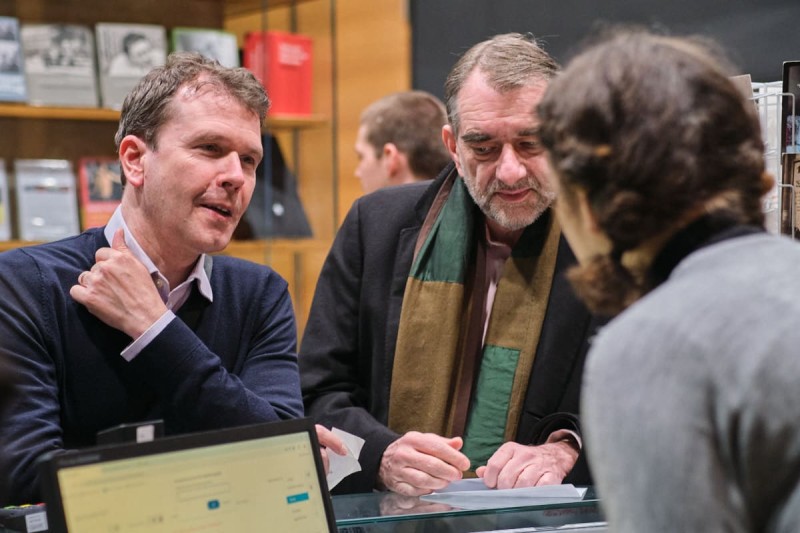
(58, 47)
(130, 50)
(12, 79)
(10, 56)
(211, 43)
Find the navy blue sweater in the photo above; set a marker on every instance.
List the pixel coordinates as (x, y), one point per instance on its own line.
(238, 366)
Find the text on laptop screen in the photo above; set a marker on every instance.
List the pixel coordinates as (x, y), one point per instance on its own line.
(267, 484)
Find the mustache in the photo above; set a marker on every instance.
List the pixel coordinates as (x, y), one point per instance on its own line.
(529, 183)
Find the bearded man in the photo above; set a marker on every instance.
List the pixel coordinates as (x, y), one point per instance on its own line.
(442, 330)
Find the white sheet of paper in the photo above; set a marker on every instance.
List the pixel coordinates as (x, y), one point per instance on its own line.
(474, 494)
(342, 466)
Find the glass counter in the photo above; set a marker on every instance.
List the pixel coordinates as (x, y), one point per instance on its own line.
(390, 512)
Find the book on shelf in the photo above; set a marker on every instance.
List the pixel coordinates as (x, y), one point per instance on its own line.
(5, 204)
(47, 207)
(210, 42)
(12, 77)
(60, 65)
(99, 189)
(125, 53)
(282, 62)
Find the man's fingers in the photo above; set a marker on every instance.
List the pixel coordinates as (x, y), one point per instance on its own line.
(442, 448)
(456, 443)
(414, 482)
(496, 464)
(548, 478)
(418, 463)
(329, 440)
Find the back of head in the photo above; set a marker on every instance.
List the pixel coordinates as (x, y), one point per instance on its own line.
(147, 107)
(412, 121)
(507, 61)
(652, 129)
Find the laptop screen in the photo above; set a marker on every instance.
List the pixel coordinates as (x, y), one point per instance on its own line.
(255, 478)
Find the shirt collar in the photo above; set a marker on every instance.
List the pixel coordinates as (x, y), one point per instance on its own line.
(200, 272)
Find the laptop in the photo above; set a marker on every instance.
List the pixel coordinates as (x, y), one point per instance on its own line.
(264, 477)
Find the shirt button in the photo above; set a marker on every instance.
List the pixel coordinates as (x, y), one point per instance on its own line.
(160, 283)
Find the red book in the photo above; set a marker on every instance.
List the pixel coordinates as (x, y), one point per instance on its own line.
(282, 63)
(100, 189)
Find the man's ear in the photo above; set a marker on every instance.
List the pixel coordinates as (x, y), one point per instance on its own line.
(392, 159)
(450, 142)
(132, 155)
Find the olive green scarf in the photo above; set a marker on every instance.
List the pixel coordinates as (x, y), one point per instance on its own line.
(443, 380)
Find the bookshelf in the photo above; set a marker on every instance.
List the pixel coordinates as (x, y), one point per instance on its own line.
(361, 52)
(49, 132)
(235, 8)
(23, 111)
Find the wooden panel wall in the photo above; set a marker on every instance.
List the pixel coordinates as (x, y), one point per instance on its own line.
(363, 57)
(374, 58)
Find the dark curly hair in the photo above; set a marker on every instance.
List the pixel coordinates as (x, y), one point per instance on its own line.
(652, 129)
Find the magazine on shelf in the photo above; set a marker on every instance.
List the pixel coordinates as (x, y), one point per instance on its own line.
(46, 202)
(99, 189)
(5, 205)
(282, 62)
(12, 78)
(790, 112)
(125, 53)
(59, 65)
(212, 43)
(790, 195)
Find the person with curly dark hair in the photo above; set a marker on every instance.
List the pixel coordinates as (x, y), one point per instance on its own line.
(689, 391)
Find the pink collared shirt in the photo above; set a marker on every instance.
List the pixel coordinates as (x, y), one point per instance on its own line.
(173, 299)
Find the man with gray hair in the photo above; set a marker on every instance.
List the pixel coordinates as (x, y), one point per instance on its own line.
(443, 331)
(400, 140)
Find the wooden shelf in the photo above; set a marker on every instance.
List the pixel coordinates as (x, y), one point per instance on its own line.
(62, 113)
(11, 245)
(112, 115)
(295, 121)
(242, 7)
(249, 249)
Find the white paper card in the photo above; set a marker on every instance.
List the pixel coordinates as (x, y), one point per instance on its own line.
(474, 494)
(342, 466)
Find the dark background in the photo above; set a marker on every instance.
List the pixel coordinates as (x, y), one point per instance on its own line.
(757, 34)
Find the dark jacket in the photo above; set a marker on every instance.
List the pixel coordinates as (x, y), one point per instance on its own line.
(236, 365)
(348, 348)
